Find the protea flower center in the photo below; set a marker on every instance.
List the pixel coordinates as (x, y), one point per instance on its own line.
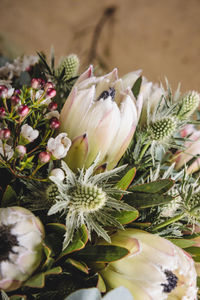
(105, 94)
(88, 198)
(172, 281)
(7, 242)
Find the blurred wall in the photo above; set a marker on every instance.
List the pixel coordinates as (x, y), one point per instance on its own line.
(161, 37)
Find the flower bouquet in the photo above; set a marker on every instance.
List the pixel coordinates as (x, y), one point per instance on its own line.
(99, 184)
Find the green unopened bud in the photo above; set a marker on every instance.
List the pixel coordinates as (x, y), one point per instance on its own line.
(163, 128)
(189, 103)
(71, 65)
(51, 192)
(88, 198)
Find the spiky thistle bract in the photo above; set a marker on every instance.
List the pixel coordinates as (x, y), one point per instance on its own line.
(88, 199)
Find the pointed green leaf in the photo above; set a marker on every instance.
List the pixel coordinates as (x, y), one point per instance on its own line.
(79, 265)
(36, 281)
(54, 271)
(9, 197)
(183, 243)
(18, 297)
(125, 217)
(143, 200)
(79, 241)
(124, 183)
(102, 253)
(101, 284)
(136, 87)
(160, 186)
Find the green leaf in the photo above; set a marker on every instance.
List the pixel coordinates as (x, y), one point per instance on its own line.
(36, 281)
(124, 183)
(9, 197)
(194, 250)
(79, 265)
(79, 241)
(18, 297)
(125, 217)
(183, 243)
(101, 284)
(136, 87)
(54, 271)
(102, 253)
(144, 200)
(159, 186)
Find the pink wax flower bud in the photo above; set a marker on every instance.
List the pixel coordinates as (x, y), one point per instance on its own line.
(54, 123)
(23, 110)
(15, 100)
(52, 106)
(20, 150)
(3, 91)
(49, 85)
(51, 92)
(5, 134)
(2, 112)
(44, 157)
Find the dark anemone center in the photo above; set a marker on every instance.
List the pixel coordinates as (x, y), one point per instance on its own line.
(105, 94)
(7, 241)
(172, 281)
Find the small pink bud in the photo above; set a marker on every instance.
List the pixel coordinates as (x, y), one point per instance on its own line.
(23, 110)
(15, 100)
(54, 123)
(2, 112)
(20, 150)
(5, 134)
(52, 106)
(44, 157)
(49, 85)
(3, 91)
(51, 93)
(37, 83)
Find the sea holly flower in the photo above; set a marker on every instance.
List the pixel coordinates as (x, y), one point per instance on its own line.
(154, 269)
(21, 236)
(59, 146)
(87, 199)
(99, 116)
(188, 105)
(28, 134)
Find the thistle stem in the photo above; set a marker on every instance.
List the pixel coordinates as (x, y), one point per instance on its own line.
(168, 222)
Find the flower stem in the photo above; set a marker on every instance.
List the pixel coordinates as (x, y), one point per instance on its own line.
(168, 222)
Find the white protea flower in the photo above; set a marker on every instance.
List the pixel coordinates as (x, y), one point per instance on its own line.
(21, 236)
(87, 199)
(99, 116)
(155, 269)
(28, 134)
(59, 146)
(6, 150)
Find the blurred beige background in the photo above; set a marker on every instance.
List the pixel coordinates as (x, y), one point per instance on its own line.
(161, 37)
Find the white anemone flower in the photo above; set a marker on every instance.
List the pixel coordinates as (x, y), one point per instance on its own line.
(155, 269)
(21, 236)
(28, 133)
(59, 146)
(100, 116)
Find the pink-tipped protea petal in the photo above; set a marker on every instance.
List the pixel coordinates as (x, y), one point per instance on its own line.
(87, 74)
